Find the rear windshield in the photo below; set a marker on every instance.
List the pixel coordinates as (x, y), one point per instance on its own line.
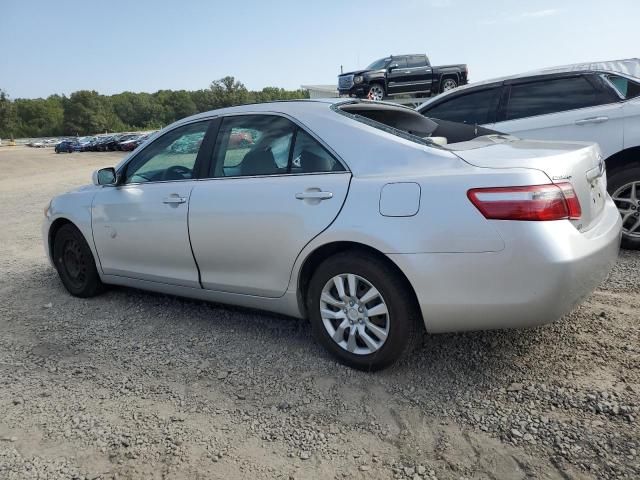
(410, 124)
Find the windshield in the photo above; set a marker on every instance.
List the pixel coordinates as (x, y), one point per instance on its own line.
(379, 64)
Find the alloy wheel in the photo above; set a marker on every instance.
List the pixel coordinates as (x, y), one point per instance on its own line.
(376, 93)
(354, 314)
(627, 199)
(448, 84)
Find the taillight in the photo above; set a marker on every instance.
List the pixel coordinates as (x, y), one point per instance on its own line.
(533, 202)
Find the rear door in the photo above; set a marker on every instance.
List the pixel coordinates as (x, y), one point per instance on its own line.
(272, 188)
(419, 75)
(567, 108)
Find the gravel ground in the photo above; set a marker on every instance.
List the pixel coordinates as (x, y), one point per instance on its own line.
(138, 385)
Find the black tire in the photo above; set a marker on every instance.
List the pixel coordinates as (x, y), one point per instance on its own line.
(618, 183)
(75, 263)
(405, 326)
(448, 83)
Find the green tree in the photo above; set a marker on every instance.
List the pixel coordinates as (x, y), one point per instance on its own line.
(8, 118)
(87, 112)
(39, 117)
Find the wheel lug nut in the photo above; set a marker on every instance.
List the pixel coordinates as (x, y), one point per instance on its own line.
(361, 309)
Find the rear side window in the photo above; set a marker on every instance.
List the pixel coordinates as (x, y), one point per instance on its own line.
(256, 145)
(311, 157)
(551, 96)
(414, 61)
(627, 88)
(475, 108)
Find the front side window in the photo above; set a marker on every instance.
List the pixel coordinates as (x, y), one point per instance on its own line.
(627, 88)
(475, 108)
(398, 62)
(253, 145)
(170, 157)
(551, 96)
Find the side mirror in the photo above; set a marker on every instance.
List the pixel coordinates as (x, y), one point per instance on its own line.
(105, 176)
(392, 67)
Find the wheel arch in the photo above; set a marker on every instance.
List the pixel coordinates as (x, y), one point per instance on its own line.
(624, 158)
(322, 252)
(56, 225)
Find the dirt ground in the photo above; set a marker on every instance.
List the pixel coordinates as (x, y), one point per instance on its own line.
(138, 385)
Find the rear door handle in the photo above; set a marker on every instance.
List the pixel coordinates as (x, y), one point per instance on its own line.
(586, 121)
(174, 199)
(314, 195)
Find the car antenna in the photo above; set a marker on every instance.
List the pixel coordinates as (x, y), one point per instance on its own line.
(341, 71)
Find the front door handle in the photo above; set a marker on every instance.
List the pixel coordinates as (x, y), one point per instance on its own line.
(314, 195)
(587, 121)
(174, 199)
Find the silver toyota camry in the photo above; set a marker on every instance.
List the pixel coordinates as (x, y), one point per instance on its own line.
(368, 219)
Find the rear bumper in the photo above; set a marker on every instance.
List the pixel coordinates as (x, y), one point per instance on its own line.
(545, 270)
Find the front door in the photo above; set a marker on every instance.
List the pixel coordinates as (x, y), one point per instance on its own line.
(140, 226)
(273, 187)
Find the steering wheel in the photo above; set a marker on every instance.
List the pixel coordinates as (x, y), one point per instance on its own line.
(177, 172)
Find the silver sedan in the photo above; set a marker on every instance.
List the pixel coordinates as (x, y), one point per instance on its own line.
(368, 219)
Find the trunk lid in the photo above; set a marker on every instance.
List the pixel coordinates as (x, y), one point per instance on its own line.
(578, 163)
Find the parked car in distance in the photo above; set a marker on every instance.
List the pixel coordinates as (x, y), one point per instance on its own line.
(401, 74)
(68, 146)
(100, 144)
(130, 144)
(589, 105)
(351, 214)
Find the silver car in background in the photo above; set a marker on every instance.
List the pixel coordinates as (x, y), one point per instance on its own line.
(367, 218)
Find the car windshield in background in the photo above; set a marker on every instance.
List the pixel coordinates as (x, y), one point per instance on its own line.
(378, 64)
(627, 88)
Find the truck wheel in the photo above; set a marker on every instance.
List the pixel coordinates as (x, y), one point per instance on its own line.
(448, 84)
(376, 92)
(624, 185)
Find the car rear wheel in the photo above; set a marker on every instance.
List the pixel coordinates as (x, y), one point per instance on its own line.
(362, 311)
(448, 84)
(624, 185)
(75, 264)
(376, 92)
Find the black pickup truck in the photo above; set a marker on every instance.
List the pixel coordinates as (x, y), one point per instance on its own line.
(401, 74)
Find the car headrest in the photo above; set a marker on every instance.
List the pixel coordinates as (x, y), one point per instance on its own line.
(259, 162)
(310, 162)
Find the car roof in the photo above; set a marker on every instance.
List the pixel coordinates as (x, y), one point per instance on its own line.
(627, 67)
(287, 107)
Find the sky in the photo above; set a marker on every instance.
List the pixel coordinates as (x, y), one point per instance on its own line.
(60, 46)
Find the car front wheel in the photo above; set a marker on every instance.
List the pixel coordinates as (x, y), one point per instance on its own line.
(362, 311)
(624, 185)
(376, 92)
(75, 264)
